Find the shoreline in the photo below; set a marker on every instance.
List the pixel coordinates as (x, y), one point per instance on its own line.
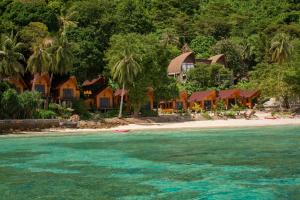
(207, 124)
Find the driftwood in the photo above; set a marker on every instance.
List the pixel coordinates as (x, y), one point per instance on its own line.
(249, 114)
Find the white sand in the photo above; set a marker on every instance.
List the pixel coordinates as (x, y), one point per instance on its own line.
(211, 124)
(163, 126)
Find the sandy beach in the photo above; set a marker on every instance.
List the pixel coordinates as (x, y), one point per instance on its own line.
(230, 123)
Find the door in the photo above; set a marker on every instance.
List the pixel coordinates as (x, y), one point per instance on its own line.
(104, 103)
(67, 93)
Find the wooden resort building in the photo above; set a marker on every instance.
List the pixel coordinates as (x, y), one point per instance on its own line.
(206, 99)
(103, 99)
(41, 83)
(117, 98)
(65, 89)
(180, 103)
(18, 83)
(249, 98)
(181, 64)
(230, 97)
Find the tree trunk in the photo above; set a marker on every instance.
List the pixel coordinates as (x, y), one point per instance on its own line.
(48, 92)
(286, 102)
(122, 99)
(136, 110)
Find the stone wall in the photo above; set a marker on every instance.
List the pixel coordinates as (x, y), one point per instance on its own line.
(28, 124)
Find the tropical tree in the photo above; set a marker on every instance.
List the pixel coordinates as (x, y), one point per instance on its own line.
(124, 72)
(124, 61)
(11, 56)
(40, 61)
(281, 51)
(281, 48)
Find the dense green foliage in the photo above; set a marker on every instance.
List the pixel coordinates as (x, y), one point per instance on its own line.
(19, 106)
(204, 77)
(257, 37)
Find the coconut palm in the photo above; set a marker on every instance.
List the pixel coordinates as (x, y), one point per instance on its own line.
(281, 49)
(40, 61)
(66, 21)
(11, 56)
(125, 71)
(52, 57)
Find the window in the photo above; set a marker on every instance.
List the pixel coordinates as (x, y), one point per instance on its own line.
(179, 105)
(40, 88)
(207, 105)
(187, 66)
(67, 93)
(104, 102)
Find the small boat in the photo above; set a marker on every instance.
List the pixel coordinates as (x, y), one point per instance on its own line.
(121, 131)
(270, 117)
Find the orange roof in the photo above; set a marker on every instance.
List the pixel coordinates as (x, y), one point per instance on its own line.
(93, 81)
(200, 96)
(64, 81)
(224, 94)
(118, 92)
(43, 75)
(175, 64)
(250, 93)
(216, 58)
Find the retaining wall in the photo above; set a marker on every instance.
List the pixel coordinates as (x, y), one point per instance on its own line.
(28, 124)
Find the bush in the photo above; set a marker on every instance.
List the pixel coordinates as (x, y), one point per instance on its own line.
(197, 108)
(149, 113)
(60, 111)
(206, 115)
(29, 102)
(230, 114)
(10, 106)
(81, 109)
(46, 114)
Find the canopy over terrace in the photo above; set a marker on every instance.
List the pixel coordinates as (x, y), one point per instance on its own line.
(180, 103)
(249, 97)
(230, 97)
(206, 99)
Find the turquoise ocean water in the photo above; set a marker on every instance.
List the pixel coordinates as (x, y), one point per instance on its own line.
(215, 164)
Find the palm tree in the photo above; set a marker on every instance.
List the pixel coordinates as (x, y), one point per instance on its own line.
(51, 57)
(10, 56)
(281, 49)
(66, 21)
(40, 61)
(125, 71)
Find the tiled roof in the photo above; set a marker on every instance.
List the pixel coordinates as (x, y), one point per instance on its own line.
(200, 96)
(249, 93)
(175, 64)
(224, 94)
(118, 92)
(91, 82)
(63, 81)
(216, 58)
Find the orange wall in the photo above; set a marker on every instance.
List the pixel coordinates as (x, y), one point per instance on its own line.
(70, 84)
(107, 92)
(42, 80)
(18, 84)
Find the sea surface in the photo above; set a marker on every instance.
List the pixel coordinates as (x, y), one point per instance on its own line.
(211, 164)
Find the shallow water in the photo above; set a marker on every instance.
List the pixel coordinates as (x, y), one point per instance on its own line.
(249, 163)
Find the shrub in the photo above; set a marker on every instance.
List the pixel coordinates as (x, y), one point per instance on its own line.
(81, 109)
(230, 114)
(29, 102)
(46, 114)
(206, 115)
(10, 106)
(197, 108)
(60, 111)
(149, 113)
